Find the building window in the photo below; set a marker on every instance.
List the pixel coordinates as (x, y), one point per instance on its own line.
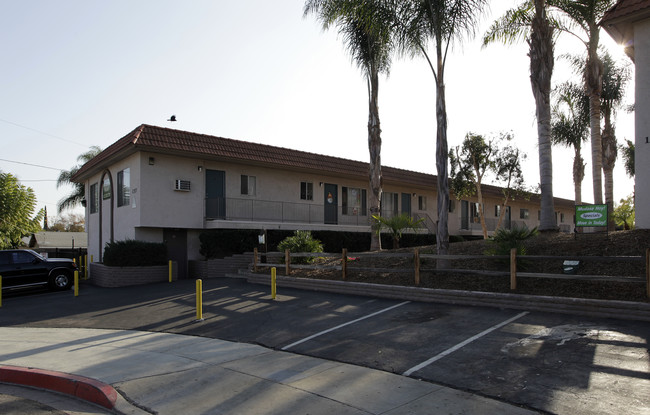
(123, 187)
(94, 198)
(106, 189)
(523, 214)
(389, 204)
(475, 212)
(497, 210)
(422, 203)
(248, 185)
(561, 217)
(353, 201)
(306, 191)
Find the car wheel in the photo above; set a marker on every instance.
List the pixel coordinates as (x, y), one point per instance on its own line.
(60, 280)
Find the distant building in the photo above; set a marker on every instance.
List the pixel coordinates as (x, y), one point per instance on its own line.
(628, 22)
(47, 242)
(158, 184)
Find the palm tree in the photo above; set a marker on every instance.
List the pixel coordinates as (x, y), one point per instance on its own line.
(77, 195)
(441, 22)
(615, 78)
(530, 21)
(585, 14)
(570, 127)
(367, 28)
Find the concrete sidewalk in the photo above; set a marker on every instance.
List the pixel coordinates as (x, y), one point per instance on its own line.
(171, 374)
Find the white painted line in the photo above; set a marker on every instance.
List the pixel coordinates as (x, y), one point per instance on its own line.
(343, 325)
(462, 344)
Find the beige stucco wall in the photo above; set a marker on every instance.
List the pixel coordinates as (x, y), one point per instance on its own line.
(642, 123)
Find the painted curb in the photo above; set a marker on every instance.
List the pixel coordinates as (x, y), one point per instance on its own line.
(81, 387)
(625, 310)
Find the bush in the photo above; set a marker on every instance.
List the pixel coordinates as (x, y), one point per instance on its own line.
(301, 241)
(504, 240)
(130, 253)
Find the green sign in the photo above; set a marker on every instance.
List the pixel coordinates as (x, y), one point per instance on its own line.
(591, 215)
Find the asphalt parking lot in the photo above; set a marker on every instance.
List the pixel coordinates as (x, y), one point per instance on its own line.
(550, 362)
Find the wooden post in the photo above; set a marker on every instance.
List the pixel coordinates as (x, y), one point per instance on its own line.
(416, 260)
(344, 264)
(254, 259)
(287, 262)
(647, 271)
(513, 269)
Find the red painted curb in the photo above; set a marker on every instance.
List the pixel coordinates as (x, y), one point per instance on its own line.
(90, 390)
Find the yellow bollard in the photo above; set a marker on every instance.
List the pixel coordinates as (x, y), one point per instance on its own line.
(170, 270)
(76, 283)
(199, 300)
(273, 290)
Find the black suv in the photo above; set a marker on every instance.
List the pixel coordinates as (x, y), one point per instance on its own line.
(24, 268)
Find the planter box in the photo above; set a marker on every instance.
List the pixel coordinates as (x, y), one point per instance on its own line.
(104, 276)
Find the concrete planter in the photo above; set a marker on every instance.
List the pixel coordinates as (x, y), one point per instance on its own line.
(104, 276)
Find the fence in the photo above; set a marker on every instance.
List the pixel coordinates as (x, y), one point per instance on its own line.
(417, 268)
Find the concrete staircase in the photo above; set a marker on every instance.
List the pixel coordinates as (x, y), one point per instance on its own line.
(218, 268)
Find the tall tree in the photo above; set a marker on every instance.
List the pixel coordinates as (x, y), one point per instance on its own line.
(441, 23)
(585, 15)
(530, 21)
(570, 127)
(367, 28)
(615, 79)
(74, 199)
(17, 205)
(509, 173)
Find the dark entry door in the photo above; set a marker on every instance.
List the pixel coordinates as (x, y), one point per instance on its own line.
(464, 214)
(507, 218)
(406, 203)
(176, 241)
(215, 194)
(331, 203)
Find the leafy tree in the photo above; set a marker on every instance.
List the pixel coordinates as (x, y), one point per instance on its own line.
(367, 28)
(510, 175)
(17, 204)
(68, 223)
(627, 151)
(624, 213)
(439, 23)
(396, 225)
(570, 127)
(530, 21)
(77, 195)
(469, 163)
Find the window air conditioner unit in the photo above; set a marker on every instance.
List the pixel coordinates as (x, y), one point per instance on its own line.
(182, 185)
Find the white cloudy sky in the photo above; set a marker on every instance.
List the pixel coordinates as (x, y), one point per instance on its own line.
(77, 73)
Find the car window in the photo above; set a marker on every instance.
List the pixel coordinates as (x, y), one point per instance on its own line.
(22, 257)
(5, 258)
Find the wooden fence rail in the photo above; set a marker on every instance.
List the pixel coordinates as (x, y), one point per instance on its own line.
(417, 269)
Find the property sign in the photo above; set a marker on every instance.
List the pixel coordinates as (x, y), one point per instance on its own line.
(591, 215)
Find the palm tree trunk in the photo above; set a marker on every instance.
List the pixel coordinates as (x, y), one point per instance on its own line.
(610, 154)
(541, 70)
(594, 86)
(442, 156)
(374, 148)
(578, 175)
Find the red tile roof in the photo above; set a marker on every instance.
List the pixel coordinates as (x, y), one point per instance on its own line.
(166, 140)
(624, 9)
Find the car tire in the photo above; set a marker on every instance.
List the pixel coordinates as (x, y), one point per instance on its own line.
(60, 280)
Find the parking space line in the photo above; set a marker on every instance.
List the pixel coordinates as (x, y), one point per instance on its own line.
(343, 325)
(462, 344)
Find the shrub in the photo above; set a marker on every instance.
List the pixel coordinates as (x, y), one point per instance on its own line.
(130, 253)
(301, 241)
(504, 240)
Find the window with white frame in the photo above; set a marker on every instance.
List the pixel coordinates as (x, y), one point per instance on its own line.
(422, 203)
(353, 201)
(94, 198)
(248, 185)
(389, 204)
(523, 213)
(123, 187)
(497, 210)
(306, 191)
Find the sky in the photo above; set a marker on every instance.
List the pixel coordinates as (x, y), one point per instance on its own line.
(78, 73)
